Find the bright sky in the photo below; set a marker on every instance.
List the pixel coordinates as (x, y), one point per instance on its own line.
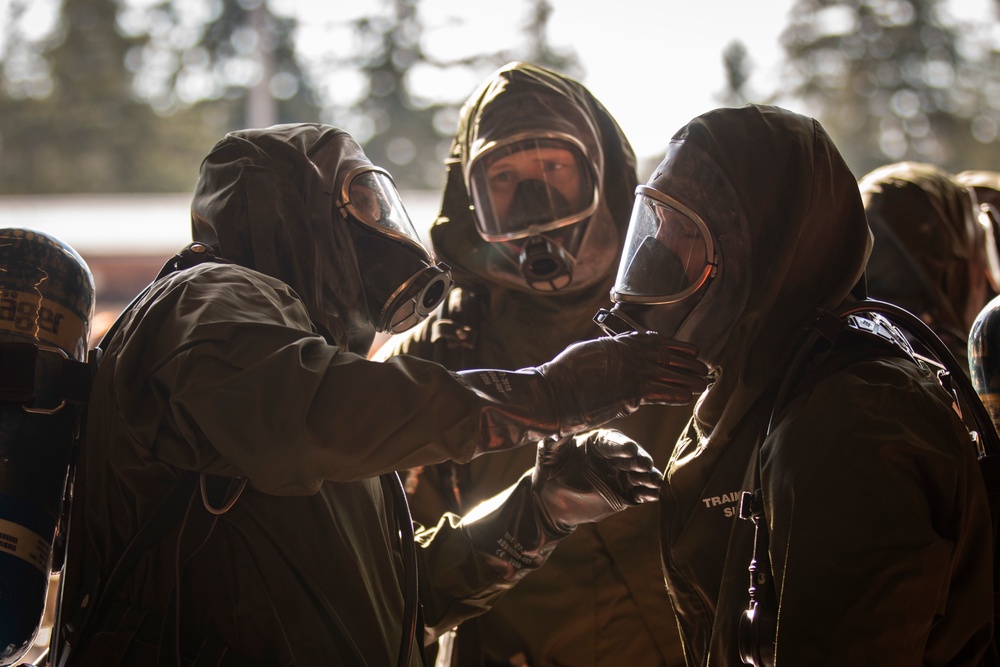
(655, 64)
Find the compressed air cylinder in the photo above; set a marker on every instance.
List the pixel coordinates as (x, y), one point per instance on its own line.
(46, 301)
(984, 358)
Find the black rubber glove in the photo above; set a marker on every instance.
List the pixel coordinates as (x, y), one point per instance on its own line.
(575, 480)
(587, 385)
(598, 380)
(587, 477)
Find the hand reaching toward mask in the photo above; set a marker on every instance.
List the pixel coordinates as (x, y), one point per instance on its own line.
(585, 386)
(595, 381)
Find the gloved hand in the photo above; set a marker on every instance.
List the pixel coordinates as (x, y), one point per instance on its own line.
(585, 386)
(598, 380)
(590, 476)
(580, 479)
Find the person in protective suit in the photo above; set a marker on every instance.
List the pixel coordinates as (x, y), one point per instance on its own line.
(540, 184)
(235, 500)
(931, 251)
(865, 497)
(985, 188)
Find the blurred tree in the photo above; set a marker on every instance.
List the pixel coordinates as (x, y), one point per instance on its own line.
(406, 130)
(540, 50)
(70, 122)
(235, 59)
(396, 129)
(736, 62)
(890, 81)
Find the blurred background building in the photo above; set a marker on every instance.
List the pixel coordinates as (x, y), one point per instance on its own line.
(126, 238)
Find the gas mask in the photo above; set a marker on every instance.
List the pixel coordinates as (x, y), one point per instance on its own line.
(533, 197)
(669, 252)
(401, 281)
(671, 277)
(669, 259)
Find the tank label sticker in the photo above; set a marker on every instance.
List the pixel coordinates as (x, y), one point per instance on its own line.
(26, 544)
(28, 314)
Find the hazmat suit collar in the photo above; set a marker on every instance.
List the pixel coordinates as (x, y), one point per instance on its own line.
(808, 242)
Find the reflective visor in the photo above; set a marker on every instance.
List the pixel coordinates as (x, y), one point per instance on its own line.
(369, 196)
(669, 253)
(526, 186)
(401, 281)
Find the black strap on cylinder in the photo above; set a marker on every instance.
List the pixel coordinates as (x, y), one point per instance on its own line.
(20, 363)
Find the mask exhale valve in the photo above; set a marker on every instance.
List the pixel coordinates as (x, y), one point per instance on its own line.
(545, 266)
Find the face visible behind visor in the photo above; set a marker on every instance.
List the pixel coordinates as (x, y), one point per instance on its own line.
(532, 194)
(528, 185)
(402, 282)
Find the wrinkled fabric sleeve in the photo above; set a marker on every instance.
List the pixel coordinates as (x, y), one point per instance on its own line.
(469, 562)
(456, 581)
(248, 388)
(880, 539)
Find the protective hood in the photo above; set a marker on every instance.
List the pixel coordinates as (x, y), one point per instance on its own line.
(789, 236)
(521, 102)
(930, 249)
(984, 186)
(299, 203)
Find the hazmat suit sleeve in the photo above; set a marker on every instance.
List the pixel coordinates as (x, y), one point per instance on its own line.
(458, 579)
(247, 388)
(843, 600)
(577, 480)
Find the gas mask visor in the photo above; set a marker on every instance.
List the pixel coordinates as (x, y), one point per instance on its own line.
(669, 252)
(527, 185)
(402, 282)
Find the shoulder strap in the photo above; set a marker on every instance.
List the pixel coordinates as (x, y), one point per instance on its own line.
(191, 255)
(396, 496)
(832, 344)
(453, 340)
(455, 333)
